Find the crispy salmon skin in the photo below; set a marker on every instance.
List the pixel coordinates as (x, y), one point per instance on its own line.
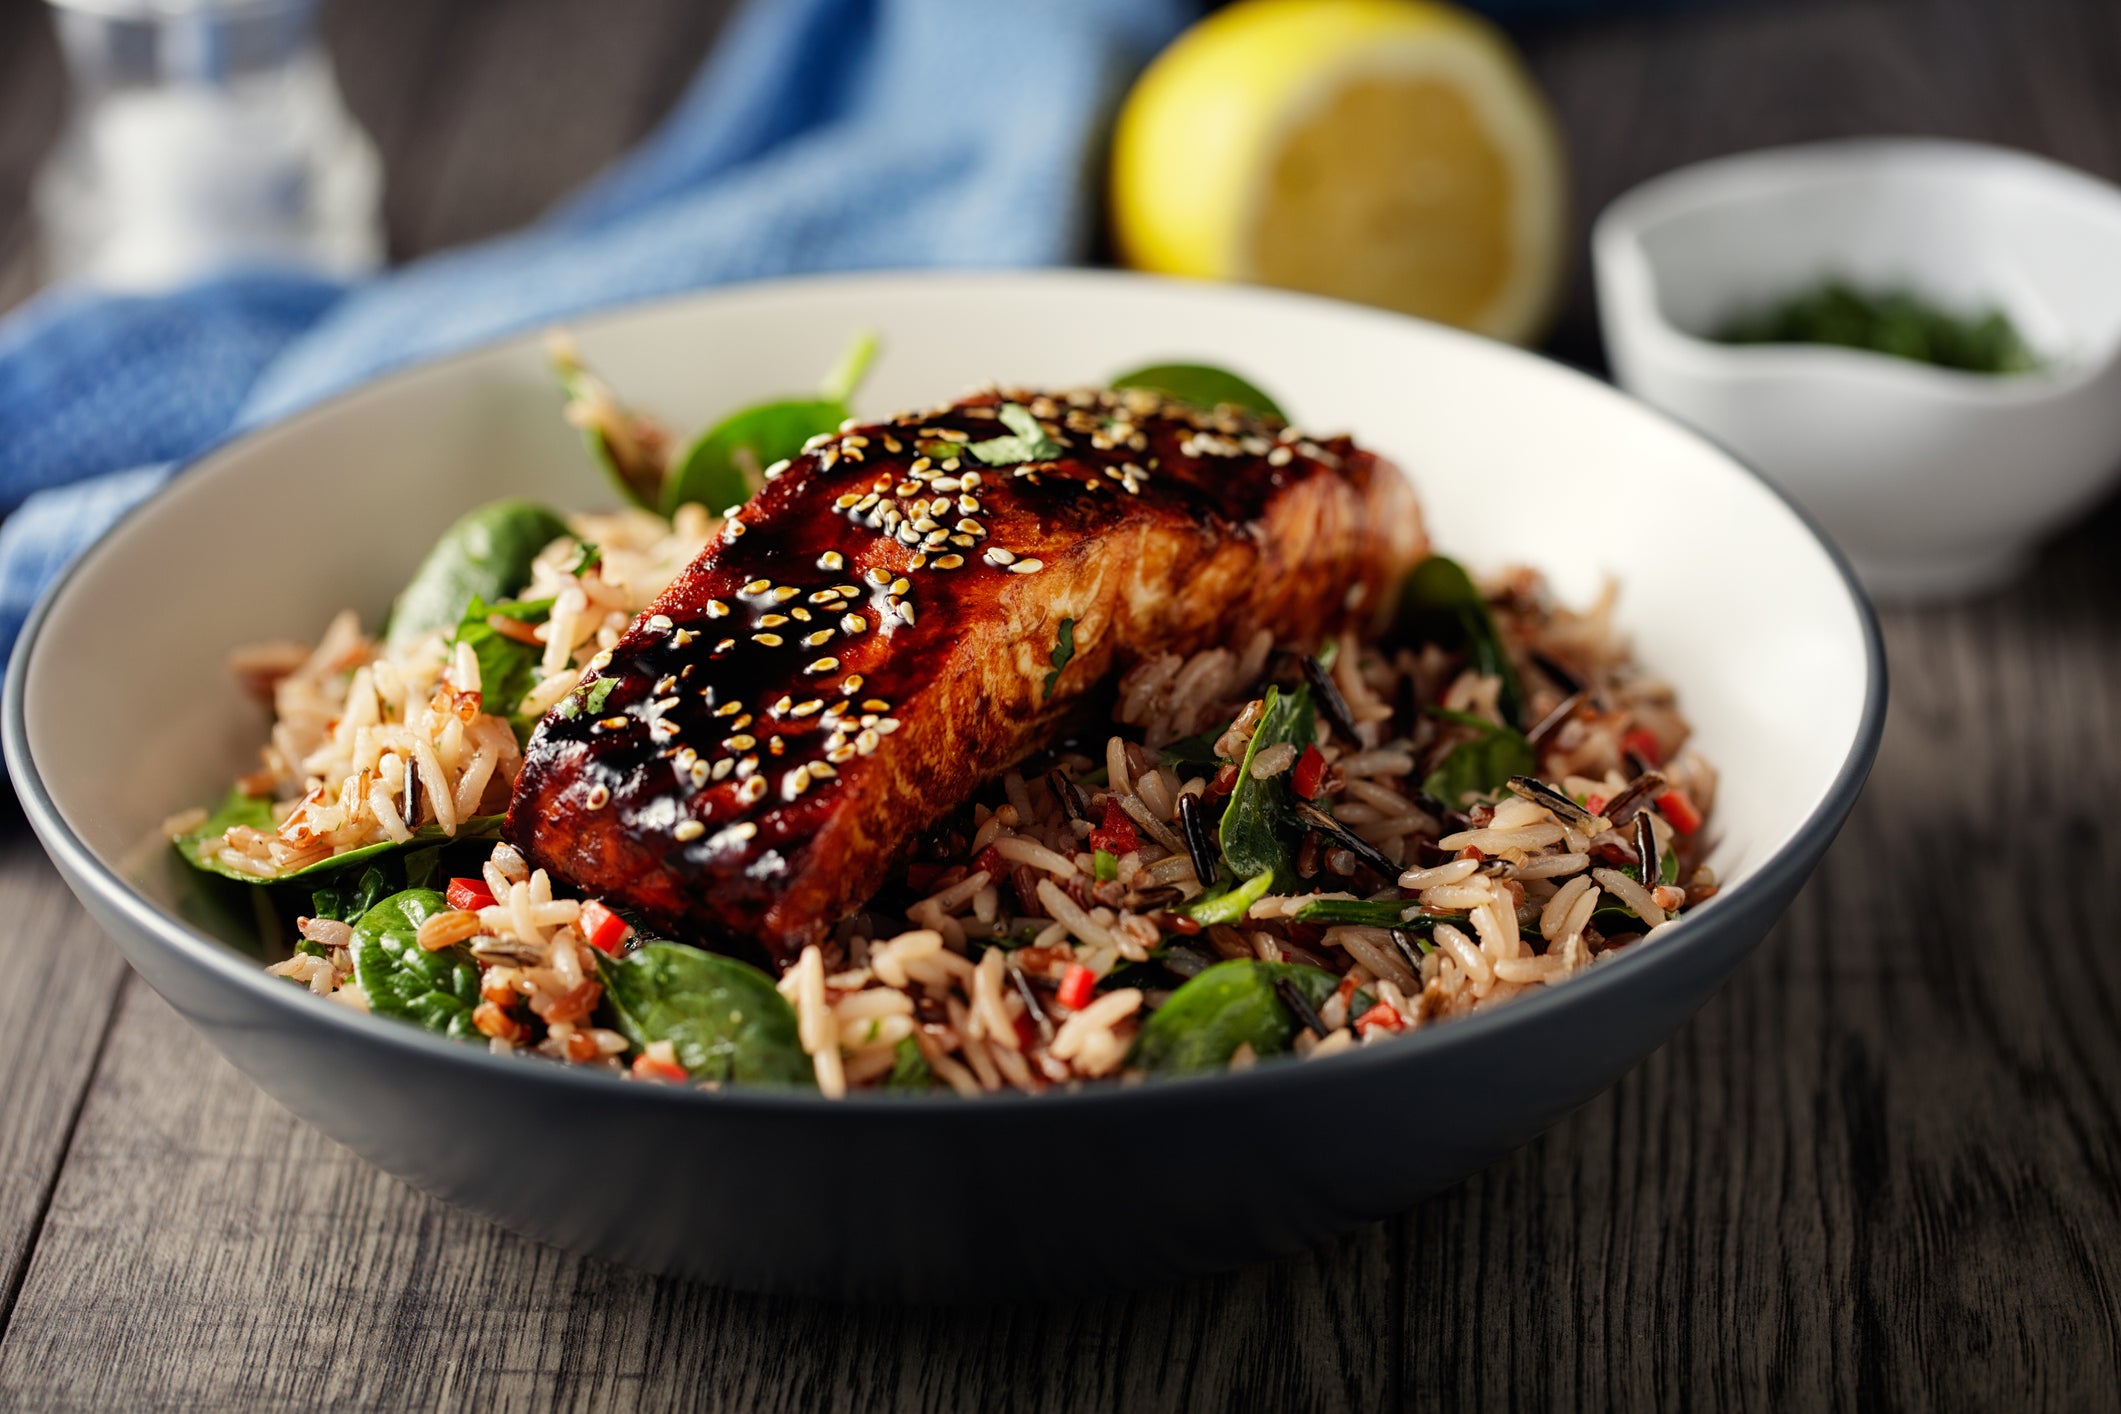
(877, 632)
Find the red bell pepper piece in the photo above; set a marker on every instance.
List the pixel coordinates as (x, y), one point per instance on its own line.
(605, 930)
(469, 895)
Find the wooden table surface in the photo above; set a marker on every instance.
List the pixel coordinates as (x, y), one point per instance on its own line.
(1881, 1169)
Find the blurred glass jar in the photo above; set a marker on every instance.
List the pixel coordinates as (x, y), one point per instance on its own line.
(203, 135)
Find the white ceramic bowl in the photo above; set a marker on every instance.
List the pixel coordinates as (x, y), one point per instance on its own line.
(1936, 482)
(1515, 459)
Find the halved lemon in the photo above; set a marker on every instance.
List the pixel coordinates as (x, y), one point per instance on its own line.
(1393, 152)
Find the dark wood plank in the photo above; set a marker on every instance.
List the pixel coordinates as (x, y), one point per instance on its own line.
(62, 987)
(30, 110)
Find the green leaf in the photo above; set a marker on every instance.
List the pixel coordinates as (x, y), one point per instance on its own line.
(1105, 865)
(909, 1068)
(1482, 766)
(240, 809)
(587, 699)
(631, 461)
(1229, 1005)
(1259, 826)
(508, 667)
(586, 558)
(1197, 750)
(437, 990)
(1063, 653)
(485, 555)
(1439, 603)
(1202, 385)
(1229, 905)
(726, 465)
(1031, 442)
(722, 1016)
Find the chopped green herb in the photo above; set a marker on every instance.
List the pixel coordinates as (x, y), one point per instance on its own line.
(1031, 442)
(1896, 322)
(1063, 652)
(909, 1068)
(588, 698)
(586, 558)
(508, 667)
(1230, 906)
(1105, 864)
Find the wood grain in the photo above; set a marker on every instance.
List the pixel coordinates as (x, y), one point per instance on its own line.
(1881, 1170)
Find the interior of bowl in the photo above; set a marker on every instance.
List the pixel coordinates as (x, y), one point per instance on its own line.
(1970, 227)
(130, 715)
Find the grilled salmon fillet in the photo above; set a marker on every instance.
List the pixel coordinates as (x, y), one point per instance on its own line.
(887, 625)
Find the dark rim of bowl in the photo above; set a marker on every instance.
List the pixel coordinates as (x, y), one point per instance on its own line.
(1785, 867)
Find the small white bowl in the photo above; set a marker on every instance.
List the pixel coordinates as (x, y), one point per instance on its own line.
(1937, 483)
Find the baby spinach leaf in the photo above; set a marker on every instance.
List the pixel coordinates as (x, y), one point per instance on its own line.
(1482, 766)
(1202, 385)
(909, 1068)
(485, 555)
(1259, 827)
(621, 441)
(1031, 442)
(508, 667)
(1231, 1004)
(726, 464)
(1063, 653)
(1439, 603)
(722, 1016)
(437, 990)
(239, 809)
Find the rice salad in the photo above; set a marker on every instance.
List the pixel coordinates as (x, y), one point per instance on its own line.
(1262, 849)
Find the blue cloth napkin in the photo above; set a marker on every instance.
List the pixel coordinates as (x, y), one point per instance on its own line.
(822, 135)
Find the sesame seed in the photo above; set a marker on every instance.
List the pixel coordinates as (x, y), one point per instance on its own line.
(924, 525)
(875, 704)
(887, 725)
(722, 768)
(716, 609)
(800, 614)
(725, 645)
(949, 562)
(736, 834)
(600, 662)
(831, 560)
(599, 797)
(964, 542)
(867, 742)
(947, 483)
(777, 745)
(919, 561)
(660, 623)
(734, 530)
(698, 772)
(742, 723)
(845, 501)
(666, 704)
(845, 590)
(905, 611)
(969, 480)
(756, 586)
(783, 705)
(853, 623)
(688, 830)
(746, 767)
(901, 585)
(852, 685)
(969, 526)
(798, 781)
(840, 753)
(752, 790)
(786, 592)
(770, 640)
(612, 724)
(772, 620)
(999, 557)
(776, 469)
(662, 727)
(824, 771)
(807, 709)
(940, 506)
(1027, 567)
(729, 709)
(867, 501)
(823, 665)
(878, 576)
(818, 639)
